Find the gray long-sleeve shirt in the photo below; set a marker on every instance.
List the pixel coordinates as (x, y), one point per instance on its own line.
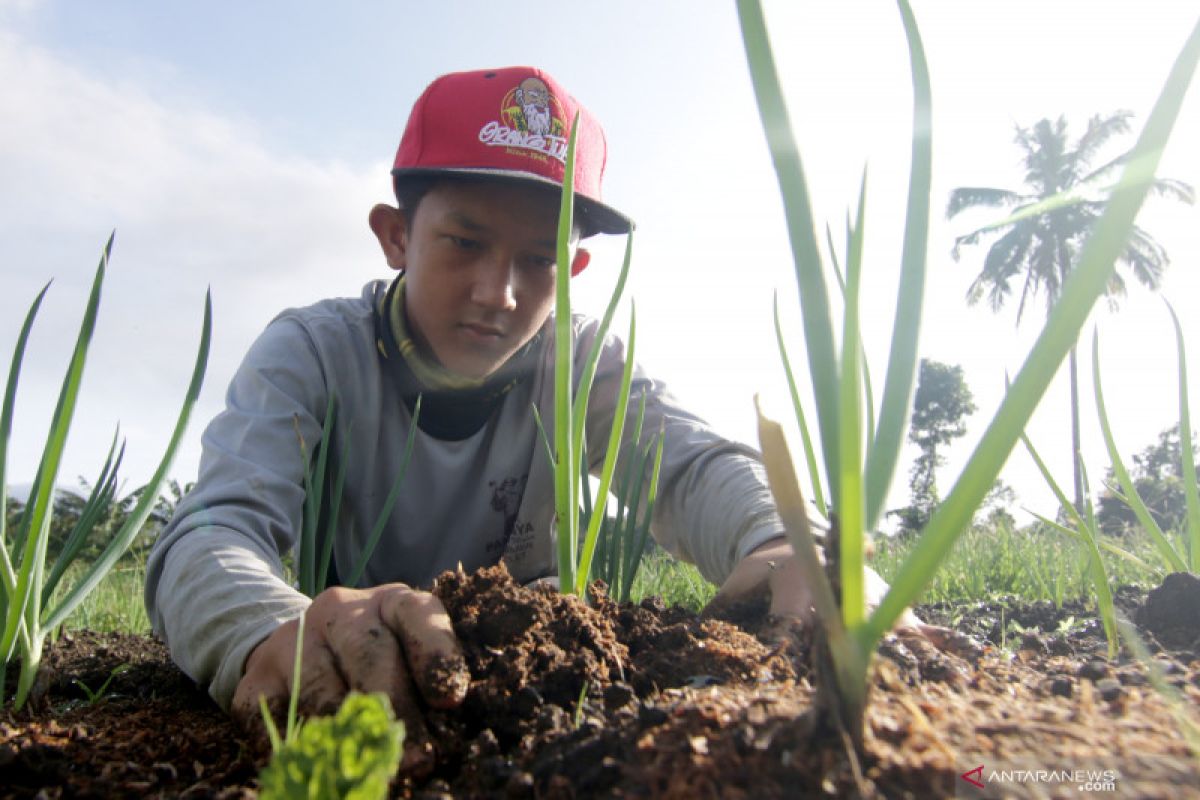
(215, 583)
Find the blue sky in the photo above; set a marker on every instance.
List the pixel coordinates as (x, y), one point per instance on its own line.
(240, 146)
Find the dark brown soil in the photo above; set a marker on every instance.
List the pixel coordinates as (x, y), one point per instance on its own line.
(673, 706)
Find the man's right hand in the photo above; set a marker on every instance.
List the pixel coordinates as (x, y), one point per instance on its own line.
(390, 639)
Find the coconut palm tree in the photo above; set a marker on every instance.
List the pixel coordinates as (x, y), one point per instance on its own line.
(1040, 249)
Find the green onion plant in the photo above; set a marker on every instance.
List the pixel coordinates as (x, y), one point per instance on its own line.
(319, 526)
(567, 452)
(621, 542)
(1087, 532)
(26, 590)
(1175, 561)
(860, 460)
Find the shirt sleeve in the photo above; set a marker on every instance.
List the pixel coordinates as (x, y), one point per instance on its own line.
(714, 506)
(214, 578)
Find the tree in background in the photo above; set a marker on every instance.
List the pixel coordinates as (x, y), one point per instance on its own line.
(1157, 475)
(69, 505)
(940, 406)
(1065, 197)
(994, 512)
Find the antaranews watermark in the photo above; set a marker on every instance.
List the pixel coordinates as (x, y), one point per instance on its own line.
(993, 778)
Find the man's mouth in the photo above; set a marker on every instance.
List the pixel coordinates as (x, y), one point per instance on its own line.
(481, 331)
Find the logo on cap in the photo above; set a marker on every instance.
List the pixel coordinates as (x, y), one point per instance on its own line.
(532, 122)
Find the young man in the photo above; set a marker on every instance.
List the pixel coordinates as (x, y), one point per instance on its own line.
(467, 327)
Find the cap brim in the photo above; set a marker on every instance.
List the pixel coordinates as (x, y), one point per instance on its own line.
(594, 216)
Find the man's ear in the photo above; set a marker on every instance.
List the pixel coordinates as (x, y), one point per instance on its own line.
(580, 262)
(391, 229)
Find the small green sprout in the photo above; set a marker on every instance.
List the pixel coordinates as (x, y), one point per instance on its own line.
(95, 696)
(352, 755)
(577, 716)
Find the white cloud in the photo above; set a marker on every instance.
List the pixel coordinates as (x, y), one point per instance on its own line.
(18, 8)
(197, 200)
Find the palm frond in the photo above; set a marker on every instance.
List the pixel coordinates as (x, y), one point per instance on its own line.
(1115, 289)
(973, 196)
(1174, 190)
(1145, 257)
(1003, 261)
(1099, 130)
(969, 238)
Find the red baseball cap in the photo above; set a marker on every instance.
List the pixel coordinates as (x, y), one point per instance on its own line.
(509, 123)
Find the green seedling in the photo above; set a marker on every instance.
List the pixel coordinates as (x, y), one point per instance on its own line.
(94, 696)
(353, 754)
(860, 453)
(577, 716)
(319, 527)
(278, 742)
(26, 610)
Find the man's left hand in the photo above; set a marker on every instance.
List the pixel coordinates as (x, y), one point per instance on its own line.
(773, 569)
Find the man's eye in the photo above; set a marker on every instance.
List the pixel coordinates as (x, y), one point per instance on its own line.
(464, 243)
(541, 262)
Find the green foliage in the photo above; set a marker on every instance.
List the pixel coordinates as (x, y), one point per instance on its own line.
(673, 581)
(114, 605)
(941, 402)
(939, 406)
(1063, 199)
(352, 755)
(1157, 476)
(1030, 563)
(29, 607)
(996, 507)
(84, 521)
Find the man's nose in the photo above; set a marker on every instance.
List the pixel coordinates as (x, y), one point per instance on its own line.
(494, 285)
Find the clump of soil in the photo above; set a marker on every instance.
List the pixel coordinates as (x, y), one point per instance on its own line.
(1172, 611)
(571, 699)
(543, 664)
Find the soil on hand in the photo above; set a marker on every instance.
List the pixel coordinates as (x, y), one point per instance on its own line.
(570, 699)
